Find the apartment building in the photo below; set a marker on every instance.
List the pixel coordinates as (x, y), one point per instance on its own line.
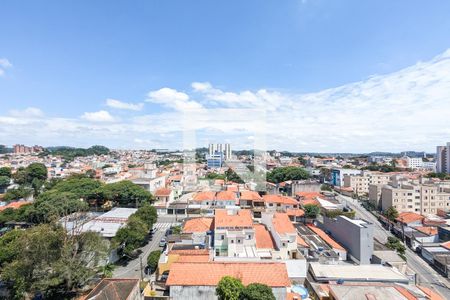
(422, 198)
(360, 183)
(234, 235)
(283, 233)
(224, 149)
(443, 159)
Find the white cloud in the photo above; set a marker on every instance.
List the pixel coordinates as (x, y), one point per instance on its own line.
(98, 116)
(124, 105)
(29, 112)
(405, 110)
(173, 99)
(4, 64)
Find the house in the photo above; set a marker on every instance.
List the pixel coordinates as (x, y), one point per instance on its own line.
(279, 202)
(116, 289)
(199, 228)
(265, 244)
(199, 280)
(283, 232)
(335, 246)
(234, 235)
(181, 255)
(164, 195)
(226, 199)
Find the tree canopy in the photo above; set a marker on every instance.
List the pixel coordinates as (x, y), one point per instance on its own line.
(126, 193)
(46, 259)
(152, 260)
(229, 288)
(257, 291)
(5, 171)
(311, 210)
(391, 213)
(287, 173)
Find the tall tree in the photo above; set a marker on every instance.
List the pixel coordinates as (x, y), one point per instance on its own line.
(257, 291)
(229, 288)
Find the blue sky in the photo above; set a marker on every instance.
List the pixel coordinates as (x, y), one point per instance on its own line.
(66, 58)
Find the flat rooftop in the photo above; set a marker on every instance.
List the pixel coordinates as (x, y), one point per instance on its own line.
(360, 273)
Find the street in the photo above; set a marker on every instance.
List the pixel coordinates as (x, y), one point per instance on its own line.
(133, 268)
(426, 275)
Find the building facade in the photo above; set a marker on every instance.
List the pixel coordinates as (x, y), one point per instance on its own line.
(443, 159)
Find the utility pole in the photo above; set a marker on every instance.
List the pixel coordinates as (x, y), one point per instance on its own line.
(140, 263)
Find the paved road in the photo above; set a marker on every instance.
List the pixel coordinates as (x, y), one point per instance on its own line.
(133, 268)
(426, 275)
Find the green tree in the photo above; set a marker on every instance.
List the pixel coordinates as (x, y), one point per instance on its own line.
(396, 245)
(229, 288)
(18, 193)
(36, 170)
(391, 213)
(152, 260)
(51, 205)
(147, 213)
(81, 186)
(4, 181)
(126, 193)
(311, 211)
(45, 258)
(5, 171)
(131, 236)
(257, 291)
(233, 176)
(287, 173)
(326, 187)
(107, 270)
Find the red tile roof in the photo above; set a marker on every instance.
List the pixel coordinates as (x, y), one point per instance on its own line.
(205, 196)
(226, 195)
(427, 230)
(233, 218)
(308, 195)
(209, 274)
(14, 205)
(409, 217)
(250, 196)
(446, 245)
(163, 192)
(301, 242)
(332, 243)
(282, 224)
(279, 199)
(263, 238)
(198, 225)
(295, 212)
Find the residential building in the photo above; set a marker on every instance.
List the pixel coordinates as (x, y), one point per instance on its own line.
(234, 235)
(355, 235)
(422, 198)
(414, 162)
(225, 149)
(283, 232)
(116, 289)
(443, 159)
(199, 280)
(360, 183)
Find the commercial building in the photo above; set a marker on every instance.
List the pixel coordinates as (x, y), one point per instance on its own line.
(215, 160)
(443, 159)
(225, 149)
(355, 235)
(337, 175)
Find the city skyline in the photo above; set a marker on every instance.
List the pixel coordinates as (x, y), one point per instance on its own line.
(313, 87)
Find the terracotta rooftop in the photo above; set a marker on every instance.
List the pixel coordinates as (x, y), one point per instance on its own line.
(14, 205)
(427, 230)
(209, 274)
(163, 192)
(250, 196)
(233, 218)
(295, 212)
(409, 217)
(446, 245)
(226, 195)
(301, 242)
(308, 195)
(263, 238)
(205, 196)
(113, 289)
(279, 199)
(198, 225)
(282, 224)
(332, 243)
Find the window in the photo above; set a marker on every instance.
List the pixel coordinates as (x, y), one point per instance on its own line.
(249, 237)
(222, 237)
(232, 241)
(238, 241)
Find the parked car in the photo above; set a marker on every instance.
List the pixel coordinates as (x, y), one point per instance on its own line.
(164, 276)
(163, 242)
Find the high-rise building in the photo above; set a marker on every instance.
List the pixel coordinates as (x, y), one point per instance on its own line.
(443, 159)
(225, 149)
